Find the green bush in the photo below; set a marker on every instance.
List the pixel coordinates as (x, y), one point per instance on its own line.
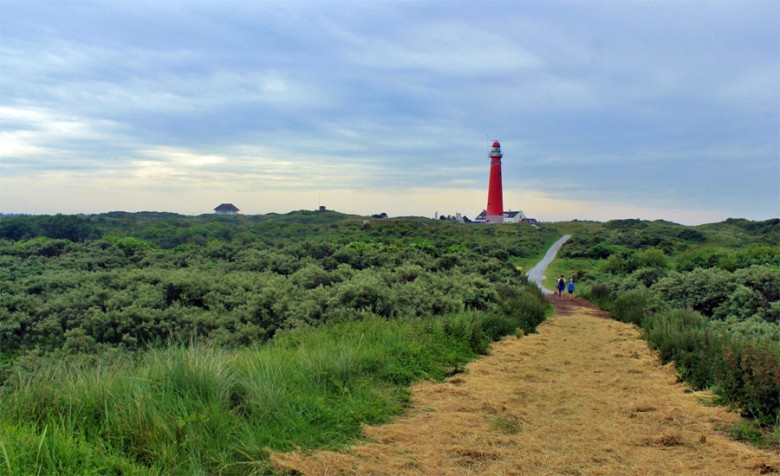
(648, 276)
(619, 263)
(750, 376)
(46, 247)
(652, 258)
(526, 307)
(752, 328)
(762, 279)
(705, 258)
(598, 293)
(741, 303)
(131, 246)
(684, 336)
(718, 293)
(702, 290)
(634, 306)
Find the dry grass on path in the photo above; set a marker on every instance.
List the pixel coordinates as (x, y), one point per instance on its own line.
(583, 396)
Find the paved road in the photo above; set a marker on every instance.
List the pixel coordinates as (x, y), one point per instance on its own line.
(536, 274)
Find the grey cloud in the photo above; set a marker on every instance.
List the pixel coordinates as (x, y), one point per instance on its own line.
(402, 93)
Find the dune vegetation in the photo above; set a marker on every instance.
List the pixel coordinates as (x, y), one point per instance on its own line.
(153, 343)
(162, 344)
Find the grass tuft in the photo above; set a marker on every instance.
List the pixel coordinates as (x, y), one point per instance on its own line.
(507, 424)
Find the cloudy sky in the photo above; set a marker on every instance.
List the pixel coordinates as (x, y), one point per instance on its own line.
(605, 109)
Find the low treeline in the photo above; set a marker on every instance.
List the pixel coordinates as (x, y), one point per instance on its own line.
(132, 344)
(708, 298)
(80, 283)
(170, 230)
(126, 293)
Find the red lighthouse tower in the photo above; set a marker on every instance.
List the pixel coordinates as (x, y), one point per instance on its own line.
(495, 204)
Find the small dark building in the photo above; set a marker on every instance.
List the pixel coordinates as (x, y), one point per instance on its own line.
(226, 209)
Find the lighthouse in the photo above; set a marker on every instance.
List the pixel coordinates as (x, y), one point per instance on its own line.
(495, 202)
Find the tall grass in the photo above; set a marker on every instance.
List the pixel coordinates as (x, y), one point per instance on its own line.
(205, 410)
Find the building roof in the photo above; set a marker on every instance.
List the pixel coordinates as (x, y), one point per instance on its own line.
(226, 207)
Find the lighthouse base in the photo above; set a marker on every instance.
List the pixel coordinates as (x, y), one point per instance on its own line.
(494, 219)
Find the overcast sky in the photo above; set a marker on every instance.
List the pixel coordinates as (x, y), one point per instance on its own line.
(604, 109)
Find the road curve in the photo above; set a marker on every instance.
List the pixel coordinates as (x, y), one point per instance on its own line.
(536, 274)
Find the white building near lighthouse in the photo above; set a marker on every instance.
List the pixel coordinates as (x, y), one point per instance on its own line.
(514, 216)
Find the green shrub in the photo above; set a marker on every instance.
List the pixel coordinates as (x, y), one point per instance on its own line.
(688, 234)
(526, 307)
(702, 290)
(741, 304)
(618, 263)
(652, 258)
(730, 260)
(598, 292)
(634, 306)
(750, 376)
(648, 276)
(718, 293)
(752, 328)
(495, 325)
(762, 279)
(142, 279)
(684, 336)
(705, 258)
(129, 245)
(759, 255)
(46, 247)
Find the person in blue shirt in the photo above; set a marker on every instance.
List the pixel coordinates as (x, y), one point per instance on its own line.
(571, 289)
(561, 286)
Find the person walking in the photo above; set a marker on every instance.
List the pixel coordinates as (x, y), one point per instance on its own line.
(571, 289)
(561, 286)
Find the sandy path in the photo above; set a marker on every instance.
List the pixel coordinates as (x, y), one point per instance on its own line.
(583, 396)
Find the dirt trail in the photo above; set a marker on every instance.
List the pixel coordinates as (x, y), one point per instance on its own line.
(583, 396)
